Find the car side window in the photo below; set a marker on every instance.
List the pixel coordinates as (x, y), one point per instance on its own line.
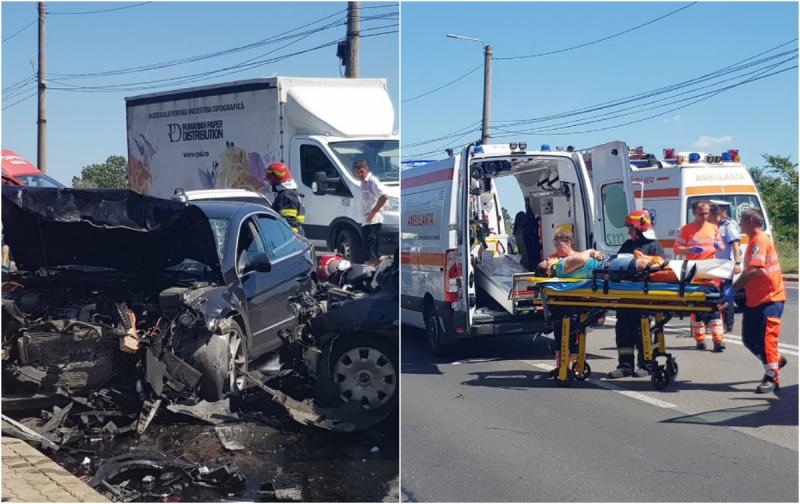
(277, 236)
(249, 244)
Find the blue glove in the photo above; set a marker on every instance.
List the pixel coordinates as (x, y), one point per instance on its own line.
(697, 249)
(729, 293)
(718, 245)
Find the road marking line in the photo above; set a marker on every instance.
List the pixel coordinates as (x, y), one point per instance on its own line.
(601, 383)
(733, 338)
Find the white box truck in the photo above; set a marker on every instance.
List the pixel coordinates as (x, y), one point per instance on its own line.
(225, 135)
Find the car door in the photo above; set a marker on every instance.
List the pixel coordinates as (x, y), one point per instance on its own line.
(258, 287)
(290, 275)
(613, 196)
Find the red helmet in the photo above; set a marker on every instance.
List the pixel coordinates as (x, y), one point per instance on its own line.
(278, 173)
(640, 219)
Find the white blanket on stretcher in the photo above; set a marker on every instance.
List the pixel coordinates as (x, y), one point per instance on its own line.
(707, 269)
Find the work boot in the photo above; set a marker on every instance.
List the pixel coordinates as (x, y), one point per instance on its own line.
(701, 345)
(719, 346)
(641, 372)
(767, 385)
(781, 362)
(622, 371)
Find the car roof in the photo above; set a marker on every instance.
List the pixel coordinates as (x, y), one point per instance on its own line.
(230, 209)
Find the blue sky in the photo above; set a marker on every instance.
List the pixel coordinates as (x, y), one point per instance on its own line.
(87, 127)
(759, 117)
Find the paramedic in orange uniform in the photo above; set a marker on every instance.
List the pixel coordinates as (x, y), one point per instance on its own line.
(762, 281)
(700, 240)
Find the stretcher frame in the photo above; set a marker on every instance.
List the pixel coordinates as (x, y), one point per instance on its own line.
(578, 309)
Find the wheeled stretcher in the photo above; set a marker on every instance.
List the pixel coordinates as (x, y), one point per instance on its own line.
(576, 304)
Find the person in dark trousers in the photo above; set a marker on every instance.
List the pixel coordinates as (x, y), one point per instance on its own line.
(373, 198)
(628, 329)
(287, 200)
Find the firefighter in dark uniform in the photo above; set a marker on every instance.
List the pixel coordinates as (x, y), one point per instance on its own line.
(628, 329)
(287, 200)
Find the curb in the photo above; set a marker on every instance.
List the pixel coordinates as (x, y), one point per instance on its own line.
(790, 278)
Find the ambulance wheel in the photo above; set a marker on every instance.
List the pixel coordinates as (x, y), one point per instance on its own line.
(434, 332)
(659, 378)
(587, 370)
(348, 244)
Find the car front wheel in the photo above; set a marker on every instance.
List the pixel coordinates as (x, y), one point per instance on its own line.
(362, 370)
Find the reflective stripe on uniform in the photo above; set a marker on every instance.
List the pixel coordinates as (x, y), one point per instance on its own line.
(289, 212)
(301, 218)
(625, 350)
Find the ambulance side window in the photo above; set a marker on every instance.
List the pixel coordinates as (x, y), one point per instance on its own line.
(615, 210)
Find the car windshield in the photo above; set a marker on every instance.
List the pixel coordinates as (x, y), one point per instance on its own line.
(39, 181)
(220, 228)
(382, 156)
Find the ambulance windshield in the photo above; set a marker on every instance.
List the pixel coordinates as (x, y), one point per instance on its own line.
(736, 203)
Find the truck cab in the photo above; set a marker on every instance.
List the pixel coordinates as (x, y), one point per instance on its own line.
(20, 172)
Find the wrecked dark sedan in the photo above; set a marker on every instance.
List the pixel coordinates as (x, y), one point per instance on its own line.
(195, 302)
(106, 276)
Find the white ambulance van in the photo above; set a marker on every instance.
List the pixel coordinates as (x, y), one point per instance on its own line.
(674, 183)
(457, 267)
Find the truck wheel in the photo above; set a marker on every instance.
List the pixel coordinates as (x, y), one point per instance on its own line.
(363, 369)
(217, 359)
(348, 243)
(435, 333)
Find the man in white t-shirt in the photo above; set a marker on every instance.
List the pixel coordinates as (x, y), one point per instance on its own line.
(373, 197)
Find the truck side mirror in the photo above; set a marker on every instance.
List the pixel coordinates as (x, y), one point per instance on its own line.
(324, 185)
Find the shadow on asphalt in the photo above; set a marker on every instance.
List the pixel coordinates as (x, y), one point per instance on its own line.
(775, 410)
(417, 359)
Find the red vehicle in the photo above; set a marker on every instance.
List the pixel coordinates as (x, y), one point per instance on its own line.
(18, 171)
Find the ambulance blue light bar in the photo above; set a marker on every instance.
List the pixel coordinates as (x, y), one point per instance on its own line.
(726, 156)
(545, 147)
(694, 157)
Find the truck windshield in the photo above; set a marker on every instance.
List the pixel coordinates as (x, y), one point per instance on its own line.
(382, 156)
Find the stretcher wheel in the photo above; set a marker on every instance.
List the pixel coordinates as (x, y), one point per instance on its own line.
(672, 366)
(659, 378)
(568, 381)
(587, 370)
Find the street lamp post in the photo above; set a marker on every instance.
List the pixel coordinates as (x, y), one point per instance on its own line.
(487, 84)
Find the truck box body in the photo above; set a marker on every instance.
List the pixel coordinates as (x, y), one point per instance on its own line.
(226, 135)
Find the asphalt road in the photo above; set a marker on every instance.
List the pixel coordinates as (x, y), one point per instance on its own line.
(488, 425)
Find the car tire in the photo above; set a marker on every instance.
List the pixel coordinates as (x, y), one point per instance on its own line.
(435, 334)
(214, 361)
(348, 243)
(362, 368)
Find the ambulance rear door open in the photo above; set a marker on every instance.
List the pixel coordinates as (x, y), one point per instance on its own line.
(613, 194)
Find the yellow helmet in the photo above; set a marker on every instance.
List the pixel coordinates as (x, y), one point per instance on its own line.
(564, 228)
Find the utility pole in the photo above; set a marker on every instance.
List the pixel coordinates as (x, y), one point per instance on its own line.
(487, 84)
(487, 93)
(41, 148)
(353, 42)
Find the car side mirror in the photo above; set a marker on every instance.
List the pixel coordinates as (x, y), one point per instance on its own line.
(258, 262)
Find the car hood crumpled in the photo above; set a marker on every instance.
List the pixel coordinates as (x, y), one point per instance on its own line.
(114, 228)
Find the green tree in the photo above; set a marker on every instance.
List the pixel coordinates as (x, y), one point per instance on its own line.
(112, 174)
(508, 220)
(777, 183)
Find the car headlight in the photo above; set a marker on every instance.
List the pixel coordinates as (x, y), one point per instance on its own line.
(393, 204)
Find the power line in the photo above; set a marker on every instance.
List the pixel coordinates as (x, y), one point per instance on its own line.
(458, 132)
(748, 81)
(735, 67)
(616, 113)
(444, 85)
(609, 37)
(35, 92)
(193, 59)
(21, 30)
(99, 11)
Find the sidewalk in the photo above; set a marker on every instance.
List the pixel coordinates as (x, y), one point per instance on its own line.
(30, 476)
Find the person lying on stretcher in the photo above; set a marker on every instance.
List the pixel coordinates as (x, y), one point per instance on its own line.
(582, 264)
